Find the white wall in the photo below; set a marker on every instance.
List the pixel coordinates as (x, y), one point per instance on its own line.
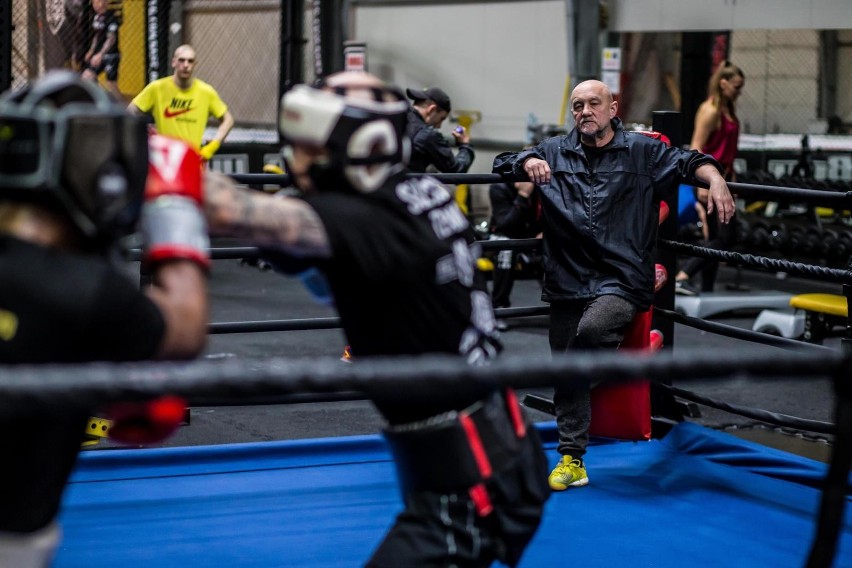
(505, 59)
(708, 15)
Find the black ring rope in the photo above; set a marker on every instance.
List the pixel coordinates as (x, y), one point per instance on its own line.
(782, 420)
(802, 195)
(721, 329)
(309, 324)
(739, 333)
(306, 324)
(769, 264)
(222, 253)
(511, 244)
(238, 253)
(814, 196)
(24, 388)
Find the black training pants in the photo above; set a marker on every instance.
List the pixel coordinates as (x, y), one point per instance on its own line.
(442, 530)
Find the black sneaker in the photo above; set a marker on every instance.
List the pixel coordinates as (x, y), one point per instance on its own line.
(684, 288)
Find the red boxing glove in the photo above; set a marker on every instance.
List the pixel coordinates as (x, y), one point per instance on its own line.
(146, 422)
(664, 212)
(173, 224)
(655, 340)
(655, 135)
(661, 276)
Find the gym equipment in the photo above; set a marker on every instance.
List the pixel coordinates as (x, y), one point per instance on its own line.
(788, 323)
(812, 317)
(710, 304)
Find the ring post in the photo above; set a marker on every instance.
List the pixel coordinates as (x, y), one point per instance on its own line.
(846, 341)
(663, 403)
(835, 485)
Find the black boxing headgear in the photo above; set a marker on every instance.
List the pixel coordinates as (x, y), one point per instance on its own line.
(365, 139)
(64, 144)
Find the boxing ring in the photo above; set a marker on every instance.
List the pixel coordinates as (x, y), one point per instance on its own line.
(697, 497)
(691, 497)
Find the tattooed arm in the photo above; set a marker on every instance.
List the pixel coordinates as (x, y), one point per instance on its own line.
(284, 222)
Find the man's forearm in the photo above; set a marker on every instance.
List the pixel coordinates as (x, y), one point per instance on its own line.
(224, 127)
(708, 173)
(282, 222)
(108, 44)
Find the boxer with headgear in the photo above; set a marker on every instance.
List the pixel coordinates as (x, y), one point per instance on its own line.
(396, 258)
(77, 175)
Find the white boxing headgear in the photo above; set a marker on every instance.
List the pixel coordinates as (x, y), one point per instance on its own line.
(365, 138)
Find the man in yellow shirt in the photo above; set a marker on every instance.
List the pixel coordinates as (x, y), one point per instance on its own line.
(181, 105)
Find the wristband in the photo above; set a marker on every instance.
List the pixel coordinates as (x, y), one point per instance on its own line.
(174, 228)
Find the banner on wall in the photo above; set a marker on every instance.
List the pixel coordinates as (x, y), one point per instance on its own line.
(611, 69)
(354, 56)
(157, 38)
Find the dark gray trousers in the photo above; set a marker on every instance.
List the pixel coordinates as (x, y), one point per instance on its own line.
(599, 323)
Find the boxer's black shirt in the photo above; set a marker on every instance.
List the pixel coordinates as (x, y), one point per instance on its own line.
(103, 25)
(62, 307)
(402, 276)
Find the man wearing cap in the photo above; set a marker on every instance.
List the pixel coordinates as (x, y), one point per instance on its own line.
(428, 146)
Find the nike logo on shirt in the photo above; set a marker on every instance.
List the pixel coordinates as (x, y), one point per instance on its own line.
(171, 114)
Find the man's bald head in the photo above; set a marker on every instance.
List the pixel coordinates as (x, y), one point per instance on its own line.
(183, 63)
(185, 50)
(593, 86)
(593, 108)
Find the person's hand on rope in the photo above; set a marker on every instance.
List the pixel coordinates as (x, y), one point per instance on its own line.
(538, 170)
(721, 200)
(719, 197)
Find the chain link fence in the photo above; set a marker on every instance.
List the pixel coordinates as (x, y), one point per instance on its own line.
(782, 89)
(797, 81)
(237, 44)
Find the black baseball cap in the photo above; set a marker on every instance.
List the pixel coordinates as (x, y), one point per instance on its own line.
(438, 96)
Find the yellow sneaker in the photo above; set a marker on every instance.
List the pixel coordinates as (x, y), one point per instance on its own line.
(568, 473)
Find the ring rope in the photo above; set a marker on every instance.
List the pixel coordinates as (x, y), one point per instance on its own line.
(842, 276)
(238, 253)
(308, 324)
(25, 388)
(305, 324)
(814, 196)
(782, 420)
(739, 333)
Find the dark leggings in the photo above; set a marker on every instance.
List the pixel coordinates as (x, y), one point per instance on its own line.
(597, 324)
(39, 456)
(720, 237)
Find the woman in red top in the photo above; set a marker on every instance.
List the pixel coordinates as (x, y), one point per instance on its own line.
(716, 132)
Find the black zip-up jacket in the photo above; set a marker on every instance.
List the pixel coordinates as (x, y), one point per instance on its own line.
(428, 146)
(600, 227)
